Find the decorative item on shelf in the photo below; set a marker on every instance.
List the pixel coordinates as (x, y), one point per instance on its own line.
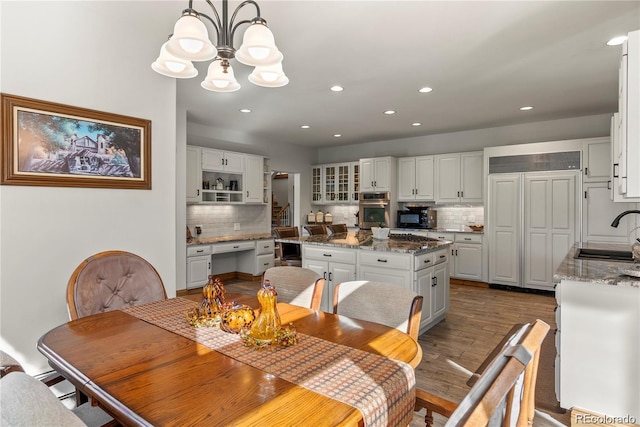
(236, 317)
(266, 326)
(311, 218)
(205, 184)
(190, 42)
(319, 217)
(209, 310)
(233, 184)
(219, 184)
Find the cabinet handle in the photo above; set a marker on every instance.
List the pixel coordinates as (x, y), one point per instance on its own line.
(427, 261)
(265, 264)
(200, 251)
(209, 265)
(434, 282)
(462, 194)
(382, 260)
(324, 275)
(326, 255)
(458, 194)
(221, 162)
(330, 278)
(444, 256)
(236, 247)
(615, 170)
(585, 171)
(467, 238)
(198, 192)
(608, 185)
(456, 254)
(585, 194)
(452, 252)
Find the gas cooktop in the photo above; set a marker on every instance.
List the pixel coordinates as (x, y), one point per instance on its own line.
(411, 238)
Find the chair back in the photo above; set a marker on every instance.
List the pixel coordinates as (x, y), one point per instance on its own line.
(112, 280)
(377, 302)
(314, 230)
(504, 394)
(296, 285)
(338, 228)
(289, 253)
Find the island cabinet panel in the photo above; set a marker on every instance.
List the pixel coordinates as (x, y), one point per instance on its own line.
(334, 265)
(394, 269)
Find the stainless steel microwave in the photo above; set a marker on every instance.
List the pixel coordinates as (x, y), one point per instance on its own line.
(417, 218)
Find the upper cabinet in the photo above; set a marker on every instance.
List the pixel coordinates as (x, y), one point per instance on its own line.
(596, 161)
(458, 177)
(416, 179)
(336, 183)
(194, 175)
(223, 161)
(377, 174)
(254, 179)
(627, 149)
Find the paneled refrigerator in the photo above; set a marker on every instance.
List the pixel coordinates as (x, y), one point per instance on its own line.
(532, 222)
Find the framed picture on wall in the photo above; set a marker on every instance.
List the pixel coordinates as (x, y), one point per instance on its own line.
(49, 144)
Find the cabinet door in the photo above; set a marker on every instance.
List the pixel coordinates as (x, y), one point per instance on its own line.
(212, 160)
(395, 277)
(407, 178)
(471, 178)
(367, 174)
(504, 226)
(316, 184)
(597, 213)
(234, 162)
(354, 182)
(321, 269)
(343, 182)
(424, 280)
(329, 185)
(448, 178)
(381, 175)
(468, 261)
(425, 186)
(597, 161)
(194, 175)
(253, 178)
(198, 271)
(440, 290)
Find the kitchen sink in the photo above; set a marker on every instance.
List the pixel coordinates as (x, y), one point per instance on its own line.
(604, 255)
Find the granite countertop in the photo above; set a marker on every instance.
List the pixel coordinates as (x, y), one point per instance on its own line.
(363, 239)
(237, 238)
(437, 230)
(596, 271)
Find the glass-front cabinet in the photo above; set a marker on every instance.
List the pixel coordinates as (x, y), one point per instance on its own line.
(336, 183)
(316, 184)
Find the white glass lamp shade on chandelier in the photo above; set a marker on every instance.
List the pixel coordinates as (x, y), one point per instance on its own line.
(190, 42)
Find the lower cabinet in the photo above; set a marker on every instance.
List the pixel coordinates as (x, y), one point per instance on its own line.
(386, 267)
(432, 282)
(467, 257)
(198, 265)
(335, 265)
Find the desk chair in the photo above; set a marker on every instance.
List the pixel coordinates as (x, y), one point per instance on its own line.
(26, 401)
(505, 391)
(289, 253)
(337, 228)
(297, 286)
(383, 303)
(314, 230)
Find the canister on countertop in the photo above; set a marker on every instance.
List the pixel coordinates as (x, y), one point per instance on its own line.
(319, 217)
(311, 218)
(328, 218)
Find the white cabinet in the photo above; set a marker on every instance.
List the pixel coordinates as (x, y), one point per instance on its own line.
(597, 213)
(222, 161)
(377, 174)
(336, 183)
(440, 291)
(596, 158)
(629, 118)
(264, 258)
(467, 257)
(392, 268)
(198, 265)
(335, 265)
(432, 282)
(416, 179)
(194, 175)
(254, 179)
(458, 177)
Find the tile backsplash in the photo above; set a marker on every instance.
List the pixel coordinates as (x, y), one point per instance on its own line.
(459, 216)
(219, 220)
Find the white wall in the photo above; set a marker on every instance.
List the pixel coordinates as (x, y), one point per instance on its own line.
(94, 55)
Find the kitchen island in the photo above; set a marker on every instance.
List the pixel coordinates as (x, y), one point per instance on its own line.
(598, 336)
(413, 262)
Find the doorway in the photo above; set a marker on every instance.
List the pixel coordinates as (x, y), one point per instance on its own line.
(285, 199)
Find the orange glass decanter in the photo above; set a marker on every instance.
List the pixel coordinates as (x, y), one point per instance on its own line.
(267, 325)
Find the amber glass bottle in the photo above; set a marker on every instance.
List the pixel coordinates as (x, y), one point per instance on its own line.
(267, 325)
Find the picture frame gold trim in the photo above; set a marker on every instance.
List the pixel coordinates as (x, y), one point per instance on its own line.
(42, 146)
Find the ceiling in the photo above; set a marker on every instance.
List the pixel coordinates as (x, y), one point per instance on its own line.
(484, 60)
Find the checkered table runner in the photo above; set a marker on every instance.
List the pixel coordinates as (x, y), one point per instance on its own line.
(382, 389)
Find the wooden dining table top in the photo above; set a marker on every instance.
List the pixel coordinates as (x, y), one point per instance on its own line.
(143, 374)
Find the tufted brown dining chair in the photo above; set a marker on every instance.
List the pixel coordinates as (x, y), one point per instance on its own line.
(314, 230)
(289, 253)
(338, 228)
(112, 280)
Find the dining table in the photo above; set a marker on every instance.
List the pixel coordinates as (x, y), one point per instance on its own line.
(146, 365)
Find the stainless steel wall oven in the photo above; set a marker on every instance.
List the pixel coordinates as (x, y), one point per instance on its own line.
(374, 210)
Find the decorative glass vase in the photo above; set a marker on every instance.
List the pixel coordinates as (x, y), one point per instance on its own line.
(266, 326)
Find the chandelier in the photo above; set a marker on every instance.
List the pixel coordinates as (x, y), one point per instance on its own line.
(190, 42)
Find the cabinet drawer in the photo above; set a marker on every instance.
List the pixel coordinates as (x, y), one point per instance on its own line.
(264, 262)
(264, 247)
(220, 248)
(440, 256)
(442, 236)
(198, 250)
(424, 261)
(468, 238)
(385, 259)
(332, 255)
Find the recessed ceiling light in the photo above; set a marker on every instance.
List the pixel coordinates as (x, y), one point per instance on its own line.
(337, 135)
(416, 124)
(616, 41)
(337, 88)
(425, 90)
(389, 112)
(245, 110)
(526, 108)
(304, 127)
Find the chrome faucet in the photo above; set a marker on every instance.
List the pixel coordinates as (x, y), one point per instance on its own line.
(616, 221)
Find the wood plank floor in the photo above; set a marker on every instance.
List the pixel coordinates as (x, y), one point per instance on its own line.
(478, 319)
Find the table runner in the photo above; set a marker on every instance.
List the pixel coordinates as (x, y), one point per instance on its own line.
(382, 389)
